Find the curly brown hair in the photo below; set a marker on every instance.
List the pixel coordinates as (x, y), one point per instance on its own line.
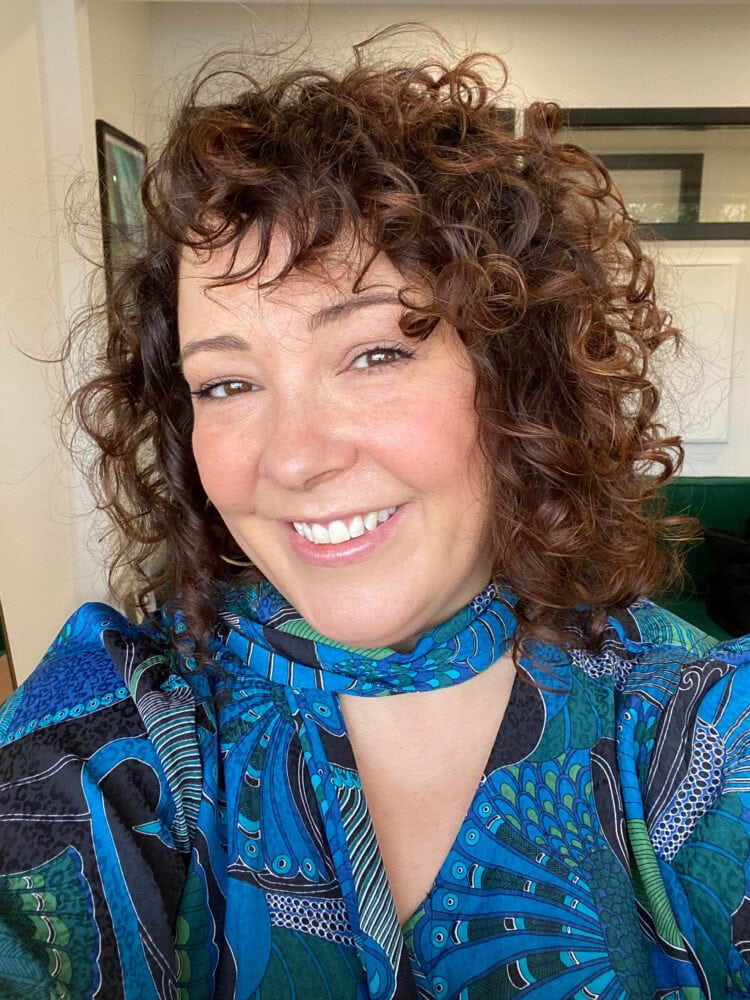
(519, 241)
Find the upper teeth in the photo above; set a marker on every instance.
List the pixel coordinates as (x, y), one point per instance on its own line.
(340, 531)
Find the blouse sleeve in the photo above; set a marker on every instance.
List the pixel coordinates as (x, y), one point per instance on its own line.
(99, 789)
(688, 757)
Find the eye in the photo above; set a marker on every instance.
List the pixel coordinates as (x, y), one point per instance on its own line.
(224, 389)
(378, 356)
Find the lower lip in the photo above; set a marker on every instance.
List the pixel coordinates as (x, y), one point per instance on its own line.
(342, 553)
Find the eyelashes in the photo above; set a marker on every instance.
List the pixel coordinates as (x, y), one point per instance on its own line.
(224, 389)
(381, 356)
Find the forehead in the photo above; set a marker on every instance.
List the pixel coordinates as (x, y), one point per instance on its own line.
(343, 271)
(344, 279)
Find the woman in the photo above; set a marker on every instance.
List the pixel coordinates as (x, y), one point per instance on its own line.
(374, 424)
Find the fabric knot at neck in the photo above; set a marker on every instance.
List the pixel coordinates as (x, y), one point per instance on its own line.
(268, 635)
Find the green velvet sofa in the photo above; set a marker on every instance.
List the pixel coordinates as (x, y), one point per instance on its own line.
(721, 502)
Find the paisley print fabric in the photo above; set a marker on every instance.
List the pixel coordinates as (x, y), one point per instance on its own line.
(170, 832)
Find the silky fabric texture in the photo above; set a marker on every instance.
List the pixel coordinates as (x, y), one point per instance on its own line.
(173, 832)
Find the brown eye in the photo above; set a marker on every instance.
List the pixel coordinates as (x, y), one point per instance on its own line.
(380, 356)
(221, 390)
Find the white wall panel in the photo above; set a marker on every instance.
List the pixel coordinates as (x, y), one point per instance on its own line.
(707, 388)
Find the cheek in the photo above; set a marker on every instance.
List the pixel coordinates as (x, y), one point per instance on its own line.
(441, 440)
(225, 470)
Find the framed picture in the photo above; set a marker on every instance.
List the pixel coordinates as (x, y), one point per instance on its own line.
(682, 171)
(506, 118)
(658, 187)
(121, 162)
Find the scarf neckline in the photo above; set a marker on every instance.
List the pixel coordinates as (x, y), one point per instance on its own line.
(270, 638)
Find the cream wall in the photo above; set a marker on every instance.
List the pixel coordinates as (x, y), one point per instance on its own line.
(121, 39)
(40, 563)
(600, 55)
(65, 62)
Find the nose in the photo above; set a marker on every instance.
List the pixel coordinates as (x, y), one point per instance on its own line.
(308, 441)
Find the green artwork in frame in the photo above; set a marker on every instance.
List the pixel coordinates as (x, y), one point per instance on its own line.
(121, 163)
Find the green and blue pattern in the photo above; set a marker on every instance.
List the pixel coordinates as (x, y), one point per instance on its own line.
(202, 834)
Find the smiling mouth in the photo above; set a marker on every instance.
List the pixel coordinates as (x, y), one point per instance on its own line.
(337, 532)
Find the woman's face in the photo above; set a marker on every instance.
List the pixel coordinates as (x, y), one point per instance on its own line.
(342, 456)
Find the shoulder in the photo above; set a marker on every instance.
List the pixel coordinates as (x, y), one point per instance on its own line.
(660, 653)
(107, 689)
(82, 672)
(683, 712)
(76, 676)
(688, 686)
(100, 786)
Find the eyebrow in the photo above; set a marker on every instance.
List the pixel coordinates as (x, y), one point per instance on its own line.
(224, 342)
(324, 316)
(329, 314)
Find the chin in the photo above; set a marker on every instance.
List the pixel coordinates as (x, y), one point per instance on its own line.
(369, 639)
(361, 634)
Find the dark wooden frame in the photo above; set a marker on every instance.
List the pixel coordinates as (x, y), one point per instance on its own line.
(689, 165)
(106, 134)
(698, 119)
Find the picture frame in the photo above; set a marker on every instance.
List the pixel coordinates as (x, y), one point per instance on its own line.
(506, 118)
(657, 145)
(671, 189)
(121, 162)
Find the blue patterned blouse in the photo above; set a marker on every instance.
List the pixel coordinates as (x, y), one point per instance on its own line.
(167, 832)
